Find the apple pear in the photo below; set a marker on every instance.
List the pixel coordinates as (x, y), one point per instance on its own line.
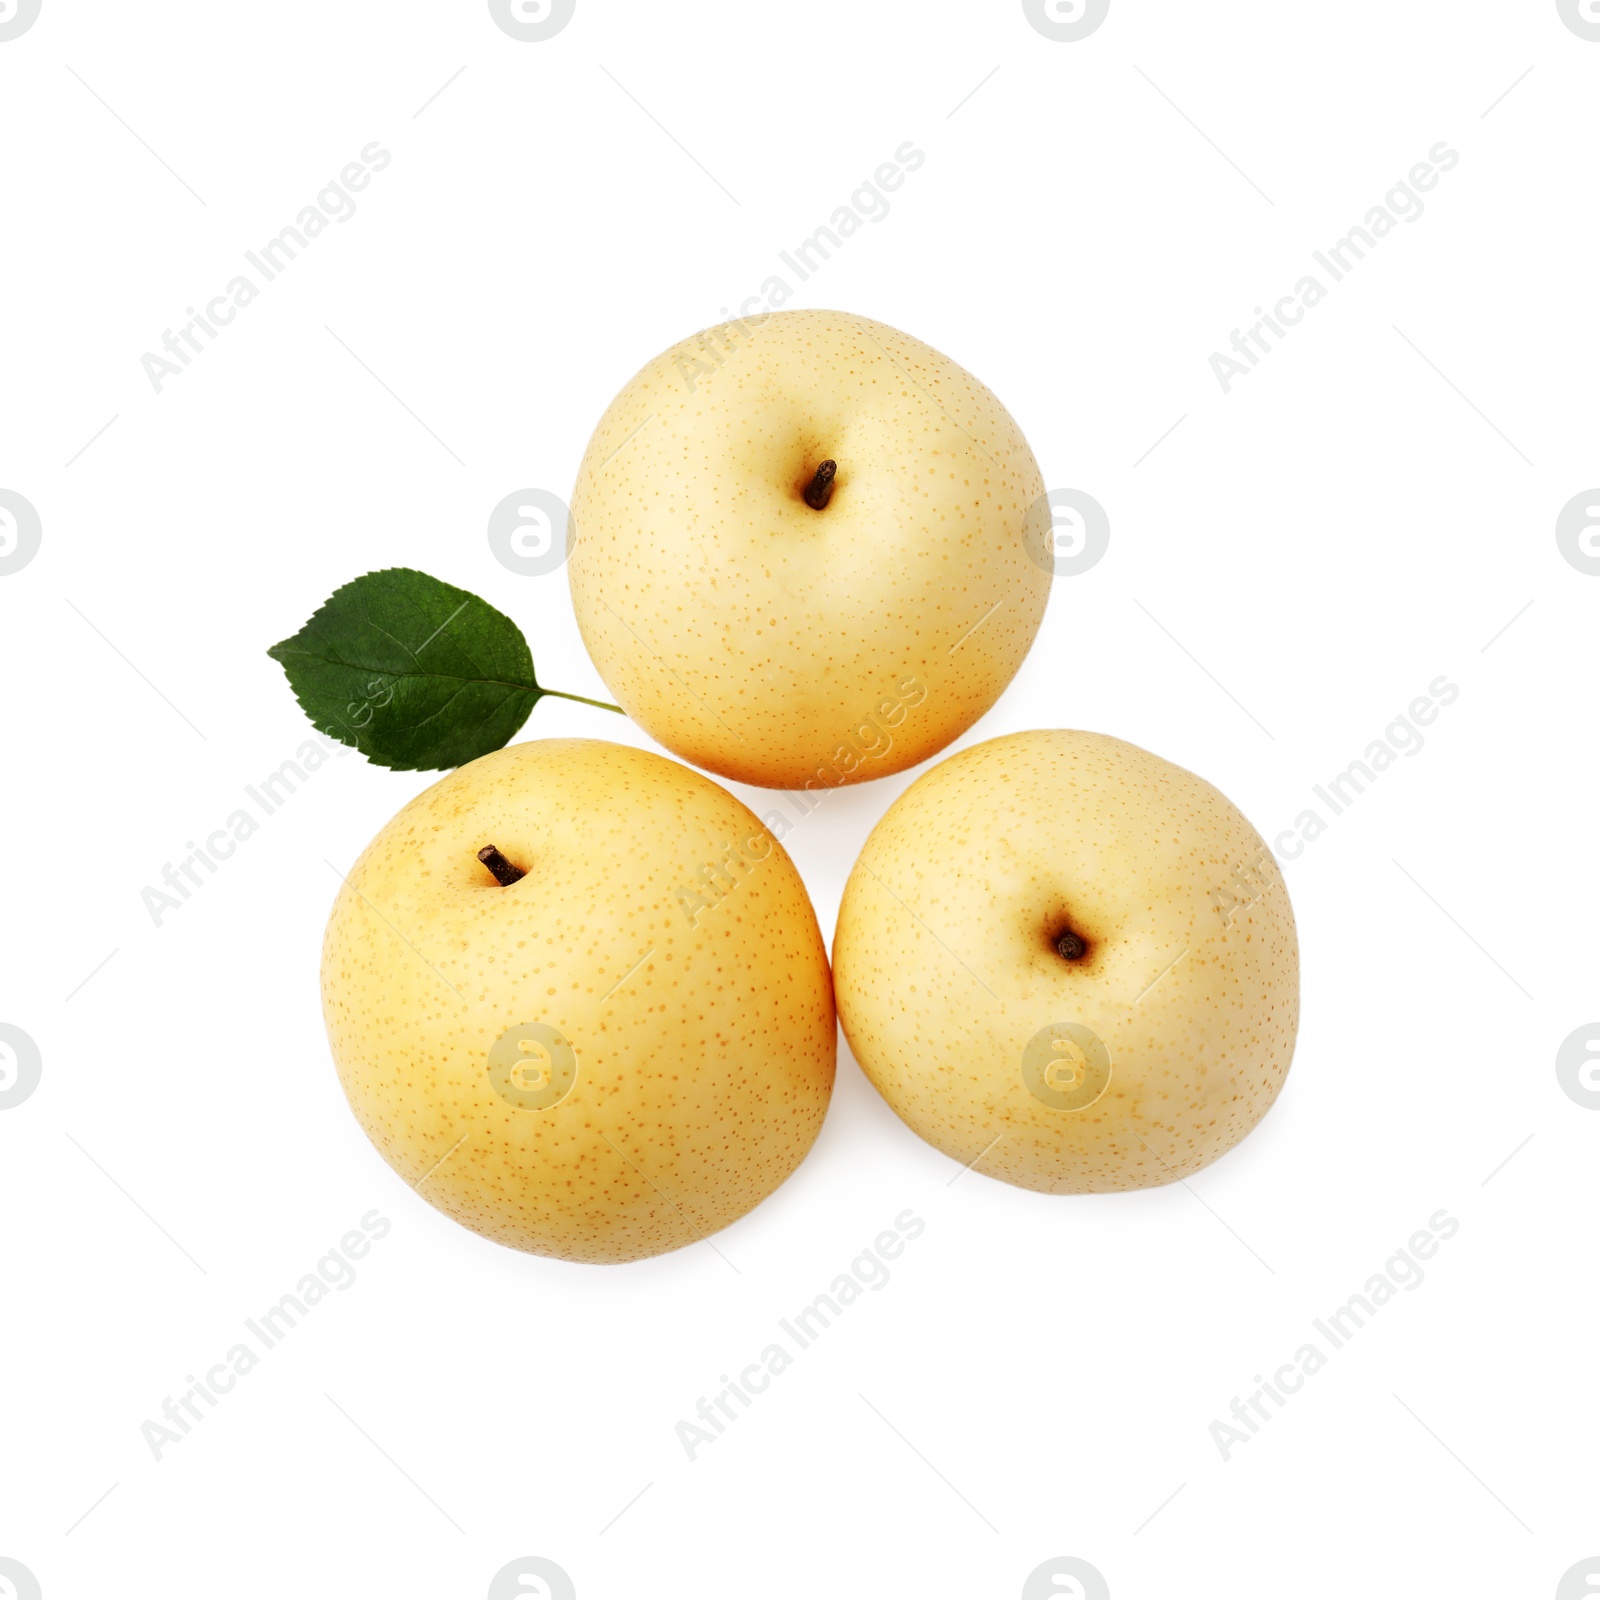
(1069, 963)
(807, 549)
(577, 998)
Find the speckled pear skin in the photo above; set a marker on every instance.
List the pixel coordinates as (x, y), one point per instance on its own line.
(946, 965)
(755, 636)
(705, 1049)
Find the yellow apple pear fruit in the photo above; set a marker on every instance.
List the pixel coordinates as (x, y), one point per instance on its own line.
(615, 1051)
(807, 548)
(1070, 963)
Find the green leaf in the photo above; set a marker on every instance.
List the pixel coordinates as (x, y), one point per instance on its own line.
(414, 673)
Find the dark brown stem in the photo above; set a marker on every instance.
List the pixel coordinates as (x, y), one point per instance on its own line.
(504, 873)
(821, 486)
(1070, 947)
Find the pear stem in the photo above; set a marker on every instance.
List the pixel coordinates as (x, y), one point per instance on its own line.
(504, 873)
(821, 486)
(583, 700)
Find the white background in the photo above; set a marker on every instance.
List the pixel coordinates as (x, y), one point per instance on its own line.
(1289, 567)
